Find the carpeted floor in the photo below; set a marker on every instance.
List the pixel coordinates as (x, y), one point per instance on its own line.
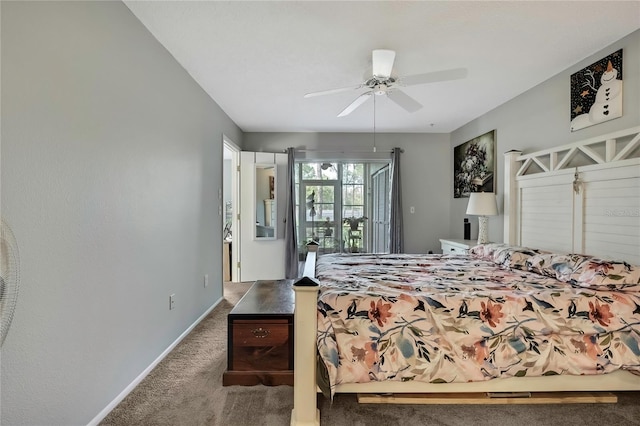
(186, 389)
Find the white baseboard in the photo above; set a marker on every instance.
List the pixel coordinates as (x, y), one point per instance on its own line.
(102, 414)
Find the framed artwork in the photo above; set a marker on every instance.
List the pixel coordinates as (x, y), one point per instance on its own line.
(474, 165)
(596, 92)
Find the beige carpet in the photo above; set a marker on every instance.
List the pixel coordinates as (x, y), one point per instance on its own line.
(186, 389)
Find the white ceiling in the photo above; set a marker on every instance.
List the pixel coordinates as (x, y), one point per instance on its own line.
(258, 59)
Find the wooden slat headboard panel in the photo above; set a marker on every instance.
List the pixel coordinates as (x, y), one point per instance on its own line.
(546, 218)
(578, 198)
(612, 218)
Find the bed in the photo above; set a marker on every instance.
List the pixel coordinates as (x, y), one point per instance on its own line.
(530, 314)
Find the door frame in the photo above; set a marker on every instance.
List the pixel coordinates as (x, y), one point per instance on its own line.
(235, 202)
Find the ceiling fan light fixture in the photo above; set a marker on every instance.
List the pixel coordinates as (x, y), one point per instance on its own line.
(381, 89)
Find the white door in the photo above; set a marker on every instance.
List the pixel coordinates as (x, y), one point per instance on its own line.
(262, 206)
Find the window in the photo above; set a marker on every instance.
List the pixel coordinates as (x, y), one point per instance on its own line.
(334, 203)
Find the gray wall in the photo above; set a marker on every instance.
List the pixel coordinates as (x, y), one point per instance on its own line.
(111, 164)
(423, 172)
(539, 119)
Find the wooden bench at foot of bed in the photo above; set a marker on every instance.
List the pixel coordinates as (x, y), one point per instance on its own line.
(260, 336)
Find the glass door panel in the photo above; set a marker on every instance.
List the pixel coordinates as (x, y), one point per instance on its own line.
(381, 206)
(320, 215)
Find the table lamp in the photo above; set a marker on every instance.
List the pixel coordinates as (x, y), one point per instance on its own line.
(482, 204)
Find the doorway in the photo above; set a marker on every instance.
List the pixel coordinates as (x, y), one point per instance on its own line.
(230, 209)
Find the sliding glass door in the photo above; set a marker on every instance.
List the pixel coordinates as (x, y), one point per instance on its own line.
(336, 208)
(380, 210)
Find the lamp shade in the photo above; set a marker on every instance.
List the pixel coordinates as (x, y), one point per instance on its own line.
(482, 204)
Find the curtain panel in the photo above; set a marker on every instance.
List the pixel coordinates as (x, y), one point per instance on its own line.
(291, 245)
(396, 239)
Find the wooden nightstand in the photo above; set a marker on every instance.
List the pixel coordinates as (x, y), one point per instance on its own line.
(260, 336)
(455, 246)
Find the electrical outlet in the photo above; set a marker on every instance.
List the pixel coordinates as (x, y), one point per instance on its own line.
(172, 301)
(206, 280)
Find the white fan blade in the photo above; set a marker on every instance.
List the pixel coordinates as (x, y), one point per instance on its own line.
(355, 104)
(432, 77)
(332, 91)
(383, 62)
(404, 100)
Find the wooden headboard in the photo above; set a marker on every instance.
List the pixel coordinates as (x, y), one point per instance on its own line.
(582, 197)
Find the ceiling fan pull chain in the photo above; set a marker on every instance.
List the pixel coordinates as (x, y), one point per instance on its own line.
(374, 124)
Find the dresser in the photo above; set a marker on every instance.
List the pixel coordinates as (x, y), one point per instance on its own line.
(260, 336)
(456, 246)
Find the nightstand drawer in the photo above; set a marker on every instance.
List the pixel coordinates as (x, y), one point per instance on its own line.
(455, 246)
(446, 249)
(260, 332)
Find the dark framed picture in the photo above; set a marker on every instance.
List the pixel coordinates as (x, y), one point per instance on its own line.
(474, 165)
(596, 92)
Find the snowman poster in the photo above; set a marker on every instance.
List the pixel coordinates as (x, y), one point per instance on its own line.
(596, 92)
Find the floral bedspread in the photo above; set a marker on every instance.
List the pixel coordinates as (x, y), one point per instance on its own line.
(452, 318)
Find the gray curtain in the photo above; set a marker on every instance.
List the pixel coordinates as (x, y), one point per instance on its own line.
(291, 245)
(396, 239)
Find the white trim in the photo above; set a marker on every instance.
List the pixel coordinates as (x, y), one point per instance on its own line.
(591, 141)
(118, 399)
(627, 149)
(539, 163)
(591, 153)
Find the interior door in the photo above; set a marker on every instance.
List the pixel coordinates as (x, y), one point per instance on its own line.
(262, 248)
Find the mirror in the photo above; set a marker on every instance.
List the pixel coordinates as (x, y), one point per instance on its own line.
(266, 210)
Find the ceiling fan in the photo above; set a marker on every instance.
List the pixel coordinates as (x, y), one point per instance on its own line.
(382, 83)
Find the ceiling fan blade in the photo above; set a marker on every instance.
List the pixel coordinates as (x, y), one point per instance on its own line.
(404, 100)
(432, 77)
(355, 104)
(332, 91)
(383, 62)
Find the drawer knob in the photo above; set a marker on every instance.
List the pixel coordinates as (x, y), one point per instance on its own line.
(260, 332)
